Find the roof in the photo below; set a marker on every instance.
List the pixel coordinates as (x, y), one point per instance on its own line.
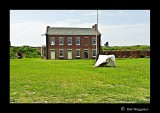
(71, 31)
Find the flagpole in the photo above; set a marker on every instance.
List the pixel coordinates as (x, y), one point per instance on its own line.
(96, 36)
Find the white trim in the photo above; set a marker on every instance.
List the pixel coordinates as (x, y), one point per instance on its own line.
(79, 53)
(79, 40)
(68, 39)
(50, 40)
(63, 40)
(59, 53)
(54, 52)
(71, 53)
(92, 52)
(92, 40)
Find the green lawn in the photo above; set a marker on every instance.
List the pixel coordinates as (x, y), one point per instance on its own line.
(77, 81)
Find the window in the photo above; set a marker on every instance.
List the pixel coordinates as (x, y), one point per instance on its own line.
(93, 52)
(77, 40)
(93, 40)
(61, 53)
(77, 52)
(69, 40)
(61, 41)
(52, 40)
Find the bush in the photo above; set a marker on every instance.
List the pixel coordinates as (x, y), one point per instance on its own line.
(28, 52)
(12, 53)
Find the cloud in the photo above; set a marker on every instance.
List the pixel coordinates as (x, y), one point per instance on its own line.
(136, 34)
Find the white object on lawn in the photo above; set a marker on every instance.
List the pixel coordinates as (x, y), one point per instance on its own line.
(106, 58)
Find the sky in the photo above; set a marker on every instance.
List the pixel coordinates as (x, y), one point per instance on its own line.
(118, 27)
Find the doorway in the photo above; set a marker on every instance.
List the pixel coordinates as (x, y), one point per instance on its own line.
(85, 53)
(52, 54)
(69, 54)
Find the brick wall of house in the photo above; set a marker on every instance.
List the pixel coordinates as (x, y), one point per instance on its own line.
(85, 43)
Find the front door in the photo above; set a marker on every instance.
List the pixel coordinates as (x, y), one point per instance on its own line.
(85, 53)
(69, 54)
(52, 54)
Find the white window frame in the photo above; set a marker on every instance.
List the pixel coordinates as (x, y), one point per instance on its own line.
(93, 40)
(51, 41)
(59, 53)
(79, 40)
(62, 40)
(71, 40)
(79, 52)
(92, 52)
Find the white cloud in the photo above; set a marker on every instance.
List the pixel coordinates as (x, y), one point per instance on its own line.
(137, 34)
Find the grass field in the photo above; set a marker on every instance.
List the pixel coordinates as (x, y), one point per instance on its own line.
(77, 81)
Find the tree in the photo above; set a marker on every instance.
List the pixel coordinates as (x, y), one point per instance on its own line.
(106, 44)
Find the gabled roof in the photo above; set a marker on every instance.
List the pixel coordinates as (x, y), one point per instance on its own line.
(71, 31)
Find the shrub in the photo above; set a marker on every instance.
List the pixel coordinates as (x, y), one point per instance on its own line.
(28, 52)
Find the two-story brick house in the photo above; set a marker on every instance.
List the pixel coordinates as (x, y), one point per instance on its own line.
(72, 43)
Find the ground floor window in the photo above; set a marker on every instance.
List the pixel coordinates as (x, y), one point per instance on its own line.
(77, 52)
(61, 53)
(93, 52)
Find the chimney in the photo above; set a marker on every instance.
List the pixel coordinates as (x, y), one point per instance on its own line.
(94, 27)
(47, 29)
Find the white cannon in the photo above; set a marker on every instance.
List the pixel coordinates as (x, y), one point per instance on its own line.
(110, 59)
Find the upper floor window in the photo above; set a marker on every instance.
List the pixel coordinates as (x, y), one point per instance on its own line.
(77, 40)
(52, 40)
(93, 40)
(69, 40)
(61, 41)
